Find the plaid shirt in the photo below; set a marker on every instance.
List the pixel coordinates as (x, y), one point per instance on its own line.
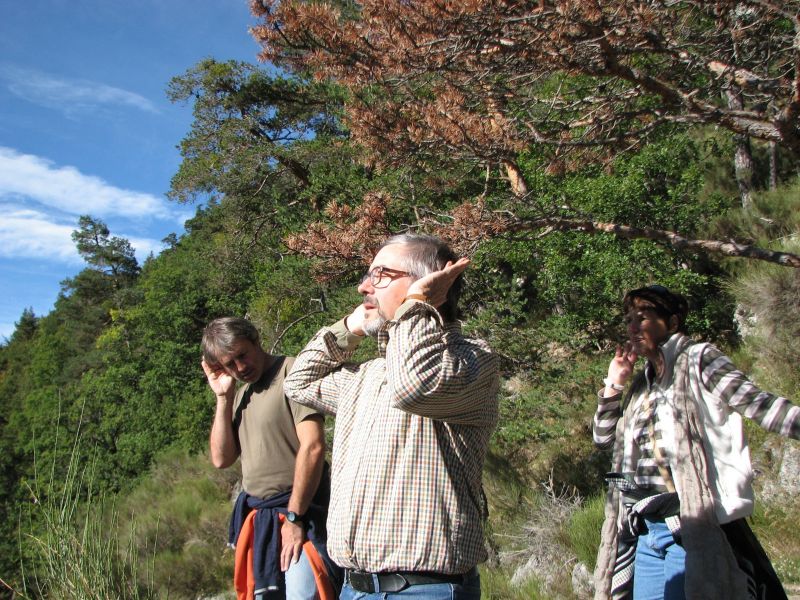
(412, 430)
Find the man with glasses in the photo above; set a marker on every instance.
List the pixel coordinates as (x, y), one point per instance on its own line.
(412, 428)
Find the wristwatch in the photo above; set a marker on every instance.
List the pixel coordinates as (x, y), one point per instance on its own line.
(293, 517)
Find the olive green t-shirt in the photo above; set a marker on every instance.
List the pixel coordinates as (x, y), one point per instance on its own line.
(264, 421)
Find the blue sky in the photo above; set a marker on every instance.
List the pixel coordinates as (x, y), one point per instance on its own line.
(86, 127)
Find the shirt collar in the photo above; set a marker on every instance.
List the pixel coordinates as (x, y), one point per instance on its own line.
(383, 338)
(669, 351)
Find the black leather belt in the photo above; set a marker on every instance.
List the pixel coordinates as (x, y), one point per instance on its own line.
(396, 582)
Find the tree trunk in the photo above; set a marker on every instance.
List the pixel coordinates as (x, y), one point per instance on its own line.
(743, 164)
(519, 187)
(743, 158)
(773, 166)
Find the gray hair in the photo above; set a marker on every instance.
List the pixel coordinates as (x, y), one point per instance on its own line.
(220, 335)
(427, 254)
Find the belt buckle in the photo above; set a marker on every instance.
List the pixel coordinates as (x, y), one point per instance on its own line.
(387, 582)
(361, 582)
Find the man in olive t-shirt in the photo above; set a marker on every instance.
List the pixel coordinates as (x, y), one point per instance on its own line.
(265, 422)
(281, 444)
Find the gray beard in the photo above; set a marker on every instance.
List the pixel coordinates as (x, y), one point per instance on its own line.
(373, 326)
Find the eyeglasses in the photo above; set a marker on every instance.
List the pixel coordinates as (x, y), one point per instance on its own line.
(381, 277)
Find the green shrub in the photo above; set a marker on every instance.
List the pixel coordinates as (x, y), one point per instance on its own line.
(583, 530)
(181, 514)
(544, 428)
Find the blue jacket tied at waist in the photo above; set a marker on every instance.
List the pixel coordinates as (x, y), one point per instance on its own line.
(267, 539)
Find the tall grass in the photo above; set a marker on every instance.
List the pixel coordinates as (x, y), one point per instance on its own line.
(496, 585)
(767, 295)
(539, 533)
(82, 545)
(74, 552)
(769, 302)
(583, 530)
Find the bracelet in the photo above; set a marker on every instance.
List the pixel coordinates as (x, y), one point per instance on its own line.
(421, 297)
(614, 386)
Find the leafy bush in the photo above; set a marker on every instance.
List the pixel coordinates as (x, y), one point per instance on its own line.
(544, 424)
(561, 292)
(179, 515)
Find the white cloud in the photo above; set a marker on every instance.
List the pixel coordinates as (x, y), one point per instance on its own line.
(31, 234)
(143, 247)
(26, 233)
(69, 190)
(40, 203)
(69, 95)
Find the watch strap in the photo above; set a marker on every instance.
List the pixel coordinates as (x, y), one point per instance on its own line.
(420, 297)
(293, 517)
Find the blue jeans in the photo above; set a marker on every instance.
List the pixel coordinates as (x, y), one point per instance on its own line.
(300, 582)
(660, 564)
(469, 590)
